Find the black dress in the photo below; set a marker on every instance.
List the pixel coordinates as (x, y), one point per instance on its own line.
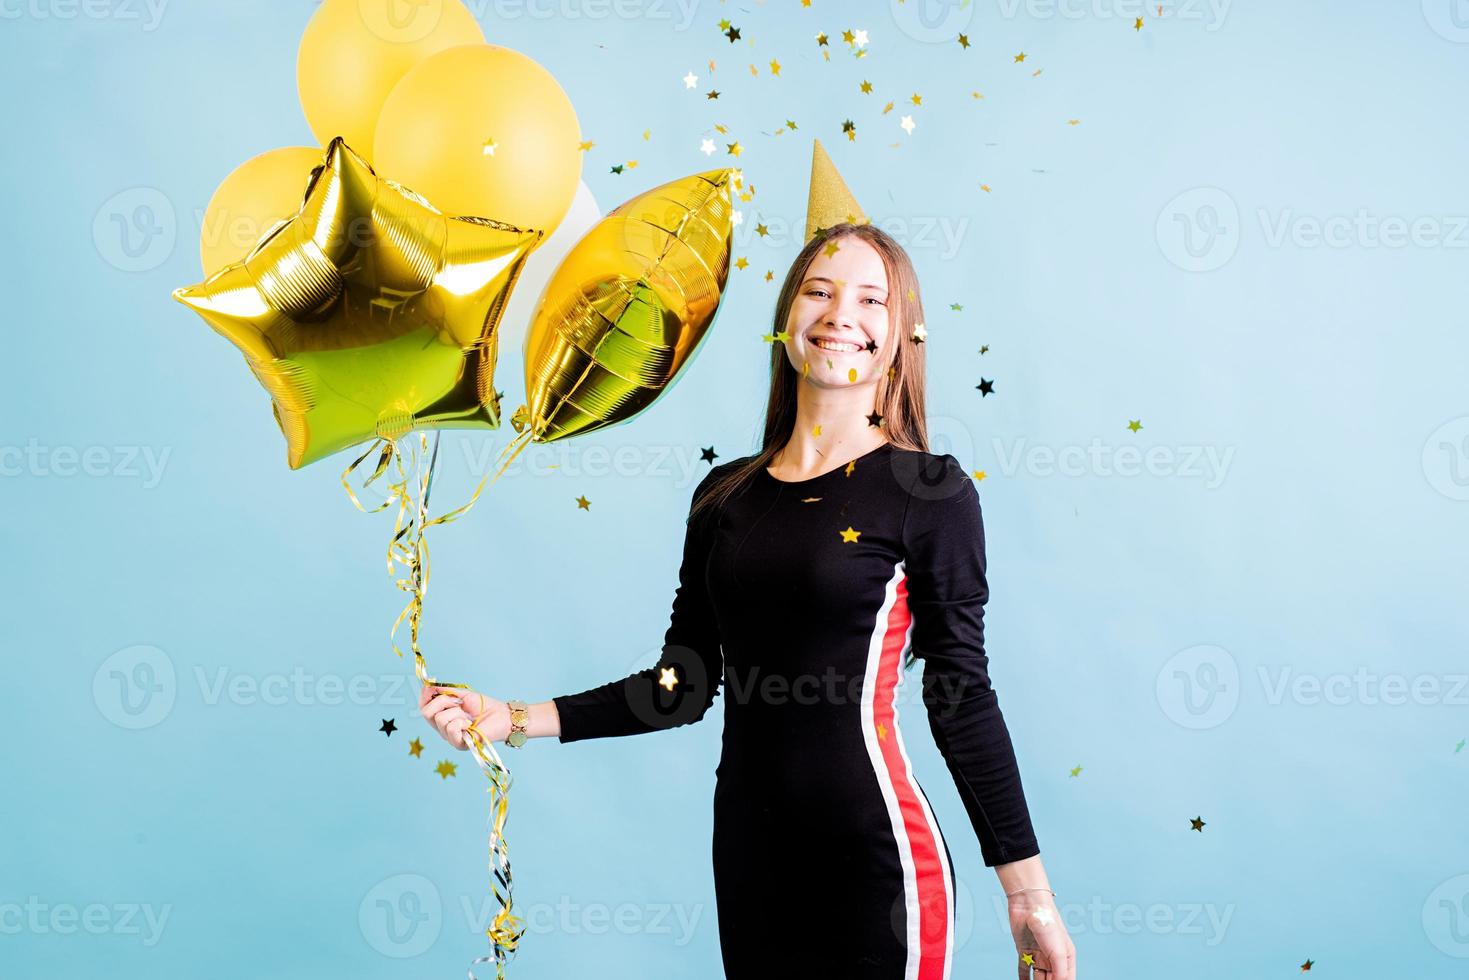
(801, 600)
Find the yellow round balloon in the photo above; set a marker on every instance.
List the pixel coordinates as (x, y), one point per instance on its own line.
(483, 130)
(257, 194)
(355, 51)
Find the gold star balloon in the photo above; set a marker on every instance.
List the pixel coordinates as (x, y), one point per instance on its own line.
(369, 313)
(628, 308)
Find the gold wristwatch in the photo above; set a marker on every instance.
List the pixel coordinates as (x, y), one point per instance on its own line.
(519, 719)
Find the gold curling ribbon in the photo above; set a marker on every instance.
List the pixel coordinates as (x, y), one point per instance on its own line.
(409, 548)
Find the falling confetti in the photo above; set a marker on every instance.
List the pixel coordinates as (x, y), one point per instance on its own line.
(388, 727)
(446, 769)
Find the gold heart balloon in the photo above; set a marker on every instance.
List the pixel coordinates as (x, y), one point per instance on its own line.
(369, 313)
(628, 308)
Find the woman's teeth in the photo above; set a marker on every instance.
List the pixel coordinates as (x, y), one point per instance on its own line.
(833, 346)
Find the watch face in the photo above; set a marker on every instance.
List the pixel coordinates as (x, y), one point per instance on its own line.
(519, 716)
(516, 739)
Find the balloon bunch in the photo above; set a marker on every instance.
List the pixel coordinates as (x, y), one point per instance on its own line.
(369, 304)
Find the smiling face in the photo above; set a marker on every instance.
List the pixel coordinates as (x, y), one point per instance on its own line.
(839, 323)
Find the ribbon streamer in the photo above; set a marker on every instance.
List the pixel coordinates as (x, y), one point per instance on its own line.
(408, 548)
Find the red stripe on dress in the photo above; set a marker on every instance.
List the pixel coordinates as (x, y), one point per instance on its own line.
(928, 868)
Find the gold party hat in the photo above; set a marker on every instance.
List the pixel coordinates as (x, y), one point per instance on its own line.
(830, 203)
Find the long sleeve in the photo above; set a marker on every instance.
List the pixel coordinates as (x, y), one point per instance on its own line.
(681, 687)
(943, 540)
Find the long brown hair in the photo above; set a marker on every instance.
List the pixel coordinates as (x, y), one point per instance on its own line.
(900, 392)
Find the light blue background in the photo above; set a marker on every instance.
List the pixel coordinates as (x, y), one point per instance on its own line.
(1140, 626)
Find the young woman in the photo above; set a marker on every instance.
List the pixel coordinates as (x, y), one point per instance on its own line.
(814, 573)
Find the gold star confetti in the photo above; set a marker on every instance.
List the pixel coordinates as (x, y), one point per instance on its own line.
(791, 125)
(769, 274)
(816, 429)
(832, 248)
(850, 128)
(761, 230)
(957, 307)
(782, 336)
(976, 95)
(851, 465)
(632, 165)
(583, 503)
(866, 87)
(849, 535)
(1137, 25)
(978, 474)
(848, 36)
(1306, 966)
(647, 135)
(1028, 959)
(1020, 57)
(887, 108)
(415, 748)
(1076, 772)
(735, 149)
(1135, 424)
(754, 71)
(489, 148)
(985, 188)
(667, 679)
(916, 99)
(445, 769)
(712, 94)
(774, 67)
(741, 263)
(1197, 823)
(585, 146)
(821, 40)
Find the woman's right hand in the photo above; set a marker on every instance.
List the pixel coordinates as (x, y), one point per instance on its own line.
(451, 710)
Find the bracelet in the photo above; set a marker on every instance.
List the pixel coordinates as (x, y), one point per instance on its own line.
(519, 719)
(1029, 889)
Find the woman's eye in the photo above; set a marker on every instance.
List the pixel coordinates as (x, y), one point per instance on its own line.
(876, 300)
